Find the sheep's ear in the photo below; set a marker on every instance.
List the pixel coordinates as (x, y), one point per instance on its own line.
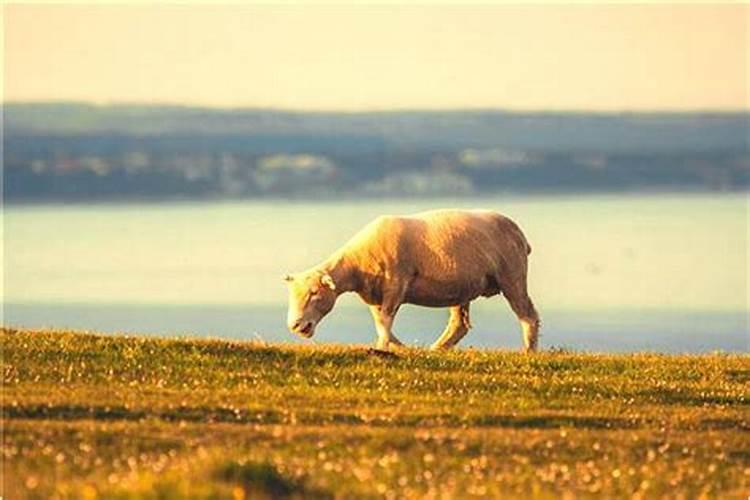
(326, 280)
(288, 278)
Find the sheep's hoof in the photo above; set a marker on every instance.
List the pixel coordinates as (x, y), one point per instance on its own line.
(381, 353)
(440, 347)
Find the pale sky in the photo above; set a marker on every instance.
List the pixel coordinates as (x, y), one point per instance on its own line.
(585, 57)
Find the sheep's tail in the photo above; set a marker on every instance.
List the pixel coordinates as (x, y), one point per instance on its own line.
(519, 236)
(525, 242)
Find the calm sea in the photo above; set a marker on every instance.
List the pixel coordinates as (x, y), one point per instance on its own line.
(608, 273)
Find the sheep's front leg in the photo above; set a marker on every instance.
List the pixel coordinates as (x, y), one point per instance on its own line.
(384, 314)
(383, 323)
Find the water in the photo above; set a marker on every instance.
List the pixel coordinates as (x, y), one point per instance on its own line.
(608, 273)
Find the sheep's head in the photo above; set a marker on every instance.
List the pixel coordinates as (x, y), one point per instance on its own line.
(311, 296)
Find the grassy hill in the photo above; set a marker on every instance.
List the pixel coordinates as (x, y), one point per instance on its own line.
(102, 415)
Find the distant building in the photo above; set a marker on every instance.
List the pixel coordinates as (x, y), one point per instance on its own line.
(411, 183)
(494, 158)
(284, 172)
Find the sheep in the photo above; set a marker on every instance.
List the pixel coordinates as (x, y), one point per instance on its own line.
(439, 258)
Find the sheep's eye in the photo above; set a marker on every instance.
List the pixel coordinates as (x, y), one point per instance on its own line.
(314, 293)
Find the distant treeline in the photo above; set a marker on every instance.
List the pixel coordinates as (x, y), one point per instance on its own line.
(82, 152)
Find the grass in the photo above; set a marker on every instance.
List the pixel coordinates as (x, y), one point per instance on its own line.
(88, 416)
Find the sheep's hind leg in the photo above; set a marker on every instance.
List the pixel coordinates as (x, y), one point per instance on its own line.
(527, 315)
(458, 326)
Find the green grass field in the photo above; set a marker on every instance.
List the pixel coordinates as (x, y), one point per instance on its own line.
(88, 416)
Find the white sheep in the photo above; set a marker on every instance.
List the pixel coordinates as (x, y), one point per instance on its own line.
(440, 258)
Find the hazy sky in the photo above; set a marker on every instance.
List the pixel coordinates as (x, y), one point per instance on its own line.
(587, 57)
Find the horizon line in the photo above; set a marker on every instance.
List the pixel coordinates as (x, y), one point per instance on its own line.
(376, 110)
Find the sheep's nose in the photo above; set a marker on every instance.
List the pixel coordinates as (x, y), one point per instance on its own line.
(295, 325)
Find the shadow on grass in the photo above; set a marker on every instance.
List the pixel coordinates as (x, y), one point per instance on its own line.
(215, 415)
(742, 376)
(665, 397)
(202, 414)
(263, 481)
